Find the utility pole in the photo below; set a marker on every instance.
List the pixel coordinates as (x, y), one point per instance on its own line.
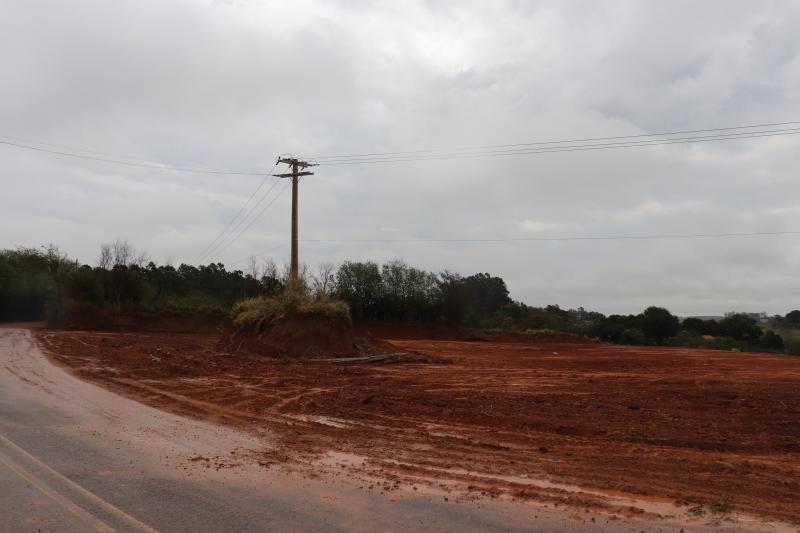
(298, 170)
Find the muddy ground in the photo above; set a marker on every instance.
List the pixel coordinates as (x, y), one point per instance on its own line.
(708, 431)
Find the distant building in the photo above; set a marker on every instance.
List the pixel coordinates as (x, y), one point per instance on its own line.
(758, 317)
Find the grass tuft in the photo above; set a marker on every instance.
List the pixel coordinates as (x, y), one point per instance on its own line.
(251, 313)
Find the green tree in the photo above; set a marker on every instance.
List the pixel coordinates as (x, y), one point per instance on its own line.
(740, 327)
(360, 285)
(486, 293)
(31, 280)
(699, 326)
(408, 293)
(694, 325)
(659, 324)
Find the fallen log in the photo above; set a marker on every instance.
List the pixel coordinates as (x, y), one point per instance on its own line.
(366, 358)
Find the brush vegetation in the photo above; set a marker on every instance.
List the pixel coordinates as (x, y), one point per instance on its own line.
(44, 283)
(252, 313)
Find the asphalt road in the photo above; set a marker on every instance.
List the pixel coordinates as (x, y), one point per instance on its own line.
(76, 457)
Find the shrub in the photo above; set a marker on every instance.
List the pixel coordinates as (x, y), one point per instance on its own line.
(726, 343)
(251, 313)
(792, 342)
(633, 336)
(771, 341)
(686, 339)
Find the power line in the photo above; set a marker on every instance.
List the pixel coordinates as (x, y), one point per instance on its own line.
(218, 244)
(76, 149)
(719, 136)
(216, 248)
(567, 238)
(563, 141)
(239, 212)
(424, 155)
(261, 254)
(537, 239)
(134, 162)
(575, 148)
(252, 221)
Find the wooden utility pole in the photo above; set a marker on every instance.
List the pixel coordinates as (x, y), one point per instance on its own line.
(298, 170)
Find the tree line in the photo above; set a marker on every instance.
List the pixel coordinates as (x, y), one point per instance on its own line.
(42, 283)
(35, 283)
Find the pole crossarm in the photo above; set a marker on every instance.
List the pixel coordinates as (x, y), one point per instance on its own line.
(295, 161)
(293, 175)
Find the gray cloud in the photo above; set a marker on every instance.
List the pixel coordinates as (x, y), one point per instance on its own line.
(232, 84)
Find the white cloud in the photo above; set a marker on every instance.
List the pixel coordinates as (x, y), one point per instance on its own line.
(533, 226)
(232, 84)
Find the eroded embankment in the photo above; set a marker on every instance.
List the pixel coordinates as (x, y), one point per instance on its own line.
(695, 427)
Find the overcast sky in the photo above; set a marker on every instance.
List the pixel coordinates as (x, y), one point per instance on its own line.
(232, 84)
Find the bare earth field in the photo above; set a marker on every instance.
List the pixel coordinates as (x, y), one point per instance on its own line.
(564, 421)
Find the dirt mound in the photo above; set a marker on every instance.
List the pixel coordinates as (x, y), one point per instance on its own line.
(316, 338)
(296, 335)
(310, 336)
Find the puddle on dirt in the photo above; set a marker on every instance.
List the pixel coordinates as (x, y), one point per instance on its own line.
(329, 421)
(445, 434)
(333, 459)
(650, 505)
(194, 379)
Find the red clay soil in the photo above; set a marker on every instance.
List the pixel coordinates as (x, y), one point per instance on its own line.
(295, 336)
(693, 426)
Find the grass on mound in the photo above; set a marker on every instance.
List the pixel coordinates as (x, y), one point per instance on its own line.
(250, 313)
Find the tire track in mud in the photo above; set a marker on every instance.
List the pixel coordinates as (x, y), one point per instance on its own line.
(619, 419)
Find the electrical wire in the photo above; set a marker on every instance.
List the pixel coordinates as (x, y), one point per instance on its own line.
(261, 254)
(219, 244)
(567, 145)
(565, 238)
(252, 221)
(536, 239)
(535, 143)
(575, 148)
(239, 212)
(216, 248)
(133, 161)
(719, 136)
(77, 149)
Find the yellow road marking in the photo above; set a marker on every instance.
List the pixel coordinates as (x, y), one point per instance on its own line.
(71, 506)
(65, 502)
